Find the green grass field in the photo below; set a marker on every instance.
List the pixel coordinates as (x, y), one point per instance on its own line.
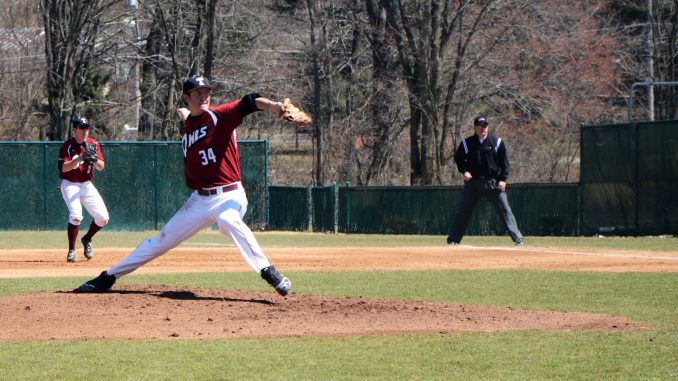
(648, 298)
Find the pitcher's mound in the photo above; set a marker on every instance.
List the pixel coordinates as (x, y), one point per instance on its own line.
(163, 312)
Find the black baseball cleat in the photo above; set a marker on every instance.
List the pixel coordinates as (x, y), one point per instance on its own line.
(450, 242)
(87, 244)
(281, 284)
(102, 283)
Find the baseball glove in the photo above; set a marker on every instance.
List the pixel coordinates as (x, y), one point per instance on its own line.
(293, 114)
(90, 154)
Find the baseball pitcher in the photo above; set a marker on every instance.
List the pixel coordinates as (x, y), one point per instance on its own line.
(212, 170)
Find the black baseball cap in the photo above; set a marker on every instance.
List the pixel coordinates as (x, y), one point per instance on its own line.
(196, 82)
(79, 121)
(480, 120)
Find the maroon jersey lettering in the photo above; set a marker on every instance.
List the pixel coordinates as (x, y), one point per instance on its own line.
(211, 156)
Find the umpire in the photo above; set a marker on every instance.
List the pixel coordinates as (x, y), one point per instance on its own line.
(483, 161)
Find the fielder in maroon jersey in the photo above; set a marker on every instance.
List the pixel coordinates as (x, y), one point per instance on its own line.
(212, 170)
(76, 169)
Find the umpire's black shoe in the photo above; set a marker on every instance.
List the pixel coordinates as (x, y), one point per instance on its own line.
(102, 283)
(277, 280)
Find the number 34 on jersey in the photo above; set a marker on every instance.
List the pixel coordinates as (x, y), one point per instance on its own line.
(207, 156)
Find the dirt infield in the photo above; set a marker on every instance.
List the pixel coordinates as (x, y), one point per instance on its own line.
(161, 312)
(22, 263)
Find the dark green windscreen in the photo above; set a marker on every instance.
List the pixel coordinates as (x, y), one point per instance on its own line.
(540, 209)
(142, 185)
(629, 179)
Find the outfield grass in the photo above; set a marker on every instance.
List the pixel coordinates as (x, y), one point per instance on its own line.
(650, 299)
(528, 355)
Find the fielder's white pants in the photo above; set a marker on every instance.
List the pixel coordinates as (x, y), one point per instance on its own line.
(78, 194)
(224, 209)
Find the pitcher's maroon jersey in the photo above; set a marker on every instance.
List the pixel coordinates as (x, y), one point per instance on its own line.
(70, 150)
(211, 156)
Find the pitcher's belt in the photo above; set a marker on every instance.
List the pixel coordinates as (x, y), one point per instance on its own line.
(217, 190)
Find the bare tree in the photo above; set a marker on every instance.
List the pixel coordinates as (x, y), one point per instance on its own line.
(71, 31)
(370, 71)
(423, 32)
(651, 29)
(317, 43)
(558, 71)
(172, 50)
(666, 50)
(155, 67)
(210, 17)
(204, 37)
(385, 125)
(21, 72)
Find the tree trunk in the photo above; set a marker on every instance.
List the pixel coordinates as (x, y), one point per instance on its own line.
(149, 98)
(60, 20)
(209, 41)
(382, 101)
(196, 44)
(71, 31)
(317, 101)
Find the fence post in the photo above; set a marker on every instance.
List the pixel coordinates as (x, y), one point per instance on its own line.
(267, 193)
(44, 187)
(347, 199)
(580, 185)
(636, 184)
(335, 205)
(309, 208)
(156, 191)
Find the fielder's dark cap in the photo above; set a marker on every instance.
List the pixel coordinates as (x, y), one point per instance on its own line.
(79, 121)
(196, 82)
(480, 120)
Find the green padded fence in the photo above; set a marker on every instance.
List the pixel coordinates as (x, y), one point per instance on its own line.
(289, 208)
(323, 200)
(545, 209)
(254, 173)
(394, 210)
(142, 185)
(541, 209)
(629, 179)
(628, 183)
(303, 208)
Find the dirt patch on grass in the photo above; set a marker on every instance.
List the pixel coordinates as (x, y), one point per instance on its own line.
(162, 312)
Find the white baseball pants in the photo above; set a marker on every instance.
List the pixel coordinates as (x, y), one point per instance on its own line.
(198, 212)
(78, 194)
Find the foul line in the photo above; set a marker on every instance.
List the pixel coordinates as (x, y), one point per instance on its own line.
(208, 244)
(574, 253)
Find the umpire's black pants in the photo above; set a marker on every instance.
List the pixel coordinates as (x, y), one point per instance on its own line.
(470, 195)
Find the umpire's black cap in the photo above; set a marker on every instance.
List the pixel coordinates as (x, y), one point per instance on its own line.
(196, 82)
(480, 120)
(79, 121)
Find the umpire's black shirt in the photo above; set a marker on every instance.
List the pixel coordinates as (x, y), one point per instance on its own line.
(486, 160)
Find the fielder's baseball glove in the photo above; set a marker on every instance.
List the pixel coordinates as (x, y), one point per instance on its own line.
(90, 154)
(293, 114)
